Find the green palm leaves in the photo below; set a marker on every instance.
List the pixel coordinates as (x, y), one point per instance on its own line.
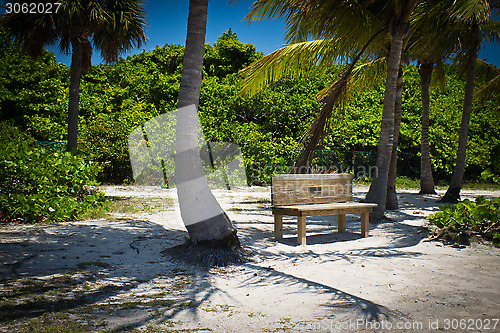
(113, 26)
(289, 60)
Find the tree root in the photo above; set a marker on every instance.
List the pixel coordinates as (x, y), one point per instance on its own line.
(212, 253)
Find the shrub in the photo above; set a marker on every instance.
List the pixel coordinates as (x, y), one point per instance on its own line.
(458, 222)
(38, 185)
(104, 141)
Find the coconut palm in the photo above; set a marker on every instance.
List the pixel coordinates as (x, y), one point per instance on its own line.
(378, 188)
(434, 37)
(432, 43)
(340, 23)
(426, 180)
(343, 29)
(475, 25)
(202, 215)
(392, 198)
(79, 26)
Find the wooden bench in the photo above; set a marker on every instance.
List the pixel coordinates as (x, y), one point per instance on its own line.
(305, 195)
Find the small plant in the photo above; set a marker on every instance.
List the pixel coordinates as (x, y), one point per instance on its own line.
(489, 176)
(458, 222)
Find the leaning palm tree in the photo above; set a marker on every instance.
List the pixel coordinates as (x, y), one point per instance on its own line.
(343, 29)
(392, 198)
(205, 220)
(435, 41)
(474, 25)
(79, 26)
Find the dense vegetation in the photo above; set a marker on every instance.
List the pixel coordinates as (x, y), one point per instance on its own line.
(117, 98)
(38, 185)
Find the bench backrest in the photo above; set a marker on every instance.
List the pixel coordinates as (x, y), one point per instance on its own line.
(293, 189)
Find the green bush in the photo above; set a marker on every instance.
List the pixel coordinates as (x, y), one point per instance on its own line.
(458, 222)
(105, 141)
(37, 185)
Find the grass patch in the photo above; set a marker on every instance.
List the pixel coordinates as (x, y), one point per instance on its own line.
(167, 328)
(481, 186)
(181, 282)
(80, 301)
(220, 308)
(134, 205)
(58, 323)
(128, 205)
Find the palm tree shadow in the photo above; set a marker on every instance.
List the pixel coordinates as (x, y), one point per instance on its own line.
(321, 238)
(62, 259)
(338, 302)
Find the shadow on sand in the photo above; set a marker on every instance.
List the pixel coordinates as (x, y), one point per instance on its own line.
(125, 254)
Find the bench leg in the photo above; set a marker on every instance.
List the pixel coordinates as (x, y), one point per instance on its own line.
(365, 218)
(341, 222)
(278, 226)
(301, 230)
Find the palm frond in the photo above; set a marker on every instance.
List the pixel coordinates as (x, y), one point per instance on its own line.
(439, 76)
(354, 21)
(438, 35)
(490, 89)
(491, 30)
(289, 60)
(124, 29)
(364, 76)
(31, 31)
(115, 26)
(367, 75)
(477, 10)
(270, 10)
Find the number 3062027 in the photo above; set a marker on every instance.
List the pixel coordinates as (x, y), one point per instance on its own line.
(32, 7)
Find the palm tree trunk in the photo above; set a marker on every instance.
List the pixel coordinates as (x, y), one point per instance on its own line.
(202, 215)
(426, 179)
(74, 95)
(392, 198)
(378, 188)
(453, 192)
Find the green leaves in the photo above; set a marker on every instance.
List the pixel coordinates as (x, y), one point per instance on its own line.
(488, 176)
(458, 222)
(288, 61)
(37, 185)
(115, 99)
(228, 55)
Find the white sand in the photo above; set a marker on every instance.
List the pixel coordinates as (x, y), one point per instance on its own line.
(336, 283)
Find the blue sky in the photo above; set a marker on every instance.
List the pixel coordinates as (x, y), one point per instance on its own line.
(168, 22)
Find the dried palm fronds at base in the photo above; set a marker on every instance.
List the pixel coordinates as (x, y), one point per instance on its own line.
(212, 253)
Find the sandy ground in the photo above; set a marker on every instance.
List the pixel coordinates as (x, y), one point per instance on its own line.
(393, 280)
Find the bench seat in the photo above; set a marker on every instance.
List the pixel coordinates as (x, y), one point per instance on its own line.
(312, 195)
(324, 209)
